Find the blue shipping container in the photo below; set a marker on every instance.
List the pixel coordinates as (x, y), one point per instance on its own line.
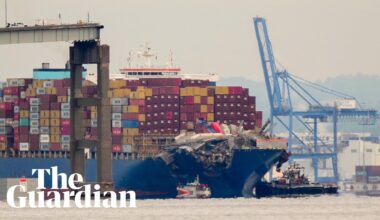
(53, 74)
(130, 123)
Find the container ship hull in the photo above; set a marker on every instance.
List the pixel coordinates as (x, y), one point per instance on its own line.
(153, 178)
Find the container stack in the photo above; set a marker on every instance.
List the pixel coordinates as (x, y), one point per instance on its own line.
(233, 105)
(196, 103)
(162, 110)
(44, 114)
(13, 95)
(3, 142)
(35, 114)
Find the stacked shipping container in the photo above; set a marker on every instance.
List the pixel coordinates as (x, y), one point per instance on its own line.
(36, 113)
(234, 105)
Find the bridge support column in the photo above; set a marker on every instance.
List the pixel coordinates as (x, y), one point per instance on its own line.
(91, 52)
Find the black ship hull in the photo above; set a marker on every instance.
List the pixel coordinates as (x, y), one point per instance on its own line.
(269, 190)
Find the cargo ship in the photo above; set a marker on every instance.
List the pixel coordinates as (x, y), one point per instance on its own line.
(150, 107)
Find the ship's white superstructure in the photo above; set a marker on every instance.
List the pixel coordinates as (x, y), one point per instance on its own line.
(148, 70)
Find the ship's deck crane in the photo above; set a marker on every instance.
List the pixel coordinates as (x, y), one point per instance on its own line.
(286, 91)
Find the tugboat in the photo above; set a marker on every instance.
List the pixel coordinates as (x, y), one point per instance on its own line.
(194, 190)
(293, 183)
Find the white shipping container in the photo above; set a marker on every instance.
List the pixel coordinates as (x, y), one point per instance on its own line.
(124, 101)
(44, 138)
(44, 146)
(23, 95)
(127, 148)
(34, 116)
(47, 84)
(24, 146)
(16, 109)
(65, 114)
(65, 106)
(116, 101)
(21, 82)
(40, 91)
(34, 109)
(34, 130)
(12, 82)
(7, 98)
(65, 138)
(116, 116)
(44, 130)
(14, 98)
(65, 146)
(34, 101)
(116, 108)
(116, 123)
(94, 123)
(15, 123)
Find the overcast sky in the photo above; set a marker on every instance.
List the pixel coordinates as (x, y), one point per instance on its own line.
(312, 39)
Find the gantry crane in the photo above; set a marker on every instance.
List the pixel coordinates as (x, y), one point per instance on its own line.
(286, 92)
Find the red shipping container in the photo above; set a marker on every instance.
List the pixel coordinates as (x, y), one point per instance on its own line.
(24, 105)
(66, 83)
(94, 133)
(210, 108)
(46, 98)
(142, 109)
(16, 116)
(55, 147)
(87, 115)
(44, 106)
(189, 100)
(7, 91)
(3, 138)
(62, 91)
(65, 122)
(169, 115)
(116, 148)
(116, 139)
(14, 90)
(16, 102)
(156, 91)
(58, 83)
(245, 92)
(55, 106)
(139, 102)
(252, 100)
(16, 145)
(117, 131)
(210, 91)
(143, 82)
(130, 116)
(190, 116)
(6, 106)
(235, 90)
(24, 138)
(24, 130)
(65, 130)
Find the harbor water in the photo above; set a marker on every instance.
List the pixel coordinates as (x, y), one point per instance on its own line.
(346, 206)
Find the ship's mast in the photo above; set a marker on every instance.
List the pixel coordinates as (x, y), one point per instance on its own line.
(147, 54)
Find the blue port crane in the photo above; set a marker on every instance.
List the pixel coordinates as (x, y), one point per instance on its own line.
(287, 92)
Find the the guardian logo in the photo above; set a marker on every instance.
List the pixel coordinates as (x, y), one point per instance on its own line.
(72, 189)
